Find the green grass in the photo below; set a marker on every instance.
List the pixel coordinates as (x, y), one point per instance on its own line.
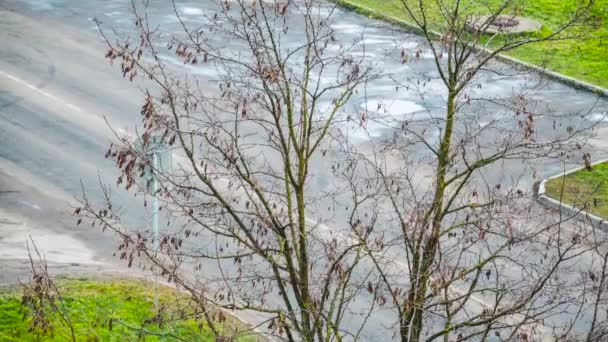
(583, 189)
(584, 59)
(128, 304)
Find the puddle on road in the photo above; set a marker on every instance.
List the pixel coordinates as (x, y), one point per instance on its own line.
(191, 11)
(30, 205)
(410, 45)
(348, 28)
(200, 69)
(41, 5)
(597, 117)
(377, 41)
(55, 247)
(113, 14)
(392, 107)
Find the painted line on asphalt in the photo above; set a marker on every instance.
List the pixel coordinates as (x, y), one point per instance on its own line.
(58, 100)
(39, 91)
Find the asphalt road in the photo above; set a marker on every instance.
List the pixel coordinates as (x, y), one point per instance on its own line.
(56, 89)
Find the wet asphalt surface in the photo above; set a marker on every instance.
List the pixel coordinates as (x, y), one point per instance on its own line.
(56, 88)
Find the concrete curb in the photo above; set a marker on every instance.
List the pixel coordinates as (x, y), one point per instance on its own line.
(573, 82)
(567, 209)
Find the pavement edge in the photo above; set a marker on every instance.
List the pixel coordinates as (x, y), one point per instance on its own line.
(567, 209)
(571, 81)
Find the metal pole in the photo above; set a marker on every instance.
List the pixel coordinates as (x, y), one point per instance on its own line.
(155, 222)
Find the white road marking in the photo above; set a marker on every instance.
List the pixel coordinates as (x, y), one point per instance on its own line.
(39, 91)
(76, 108)
(94, 122)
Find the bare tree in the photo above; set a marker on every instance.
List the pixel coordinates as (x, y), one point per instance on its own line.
(246, 222)
(272, 210)
(461, 253)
